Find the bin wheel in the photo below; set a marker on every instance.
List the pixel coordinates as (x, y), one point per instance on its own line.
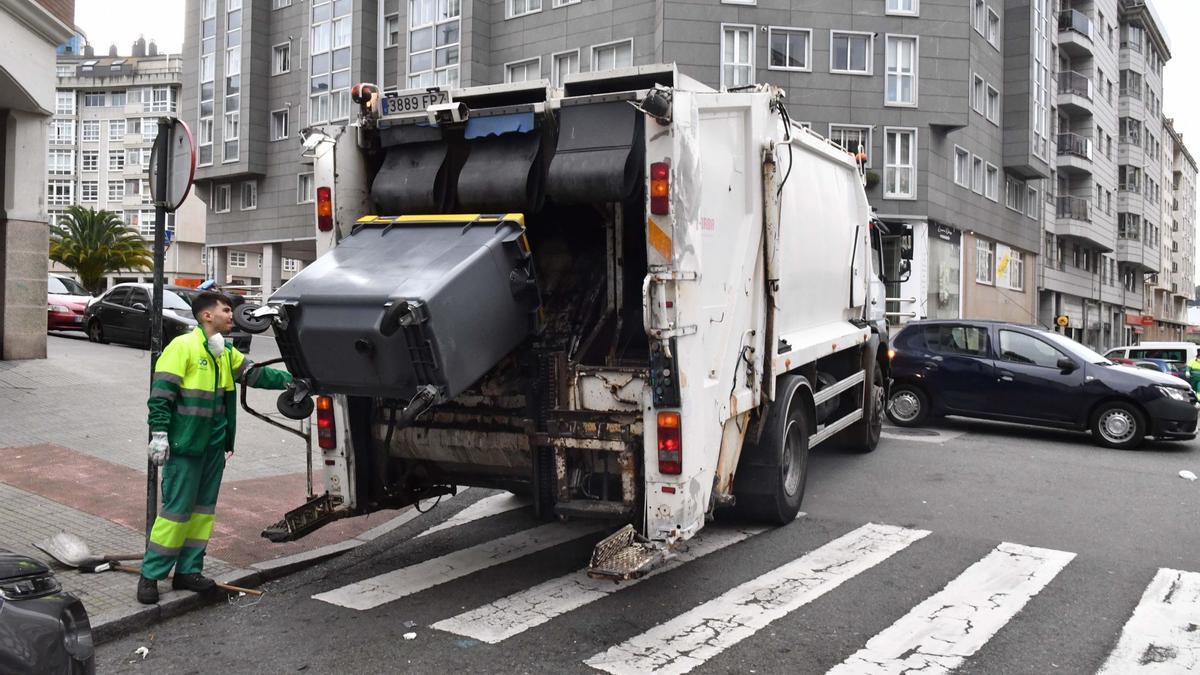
(293, 410)
(243, 317)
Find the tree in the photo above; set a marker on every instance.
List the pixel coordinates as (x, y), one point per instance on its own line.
(92, 243)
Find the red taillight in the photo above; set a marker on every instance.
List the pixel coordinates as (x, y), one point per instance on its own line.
(670, 444)
(326, 430)
(660, 188)
(324, 209)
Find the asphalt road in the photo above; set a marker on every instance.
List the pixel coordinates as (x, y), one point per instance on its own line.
(943, 582)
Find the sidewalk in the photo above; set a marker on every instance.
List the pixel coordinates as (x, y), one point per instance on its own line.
(73, 458)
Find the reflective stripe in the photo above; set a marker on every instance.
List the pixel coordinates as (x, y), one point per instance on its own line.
(246, 363)
(169, 377)
(198, 393)
(196, 543)
(252, 378)
(194, 411)
(175, 517)
(200, 527)
(160, 391)
(162, 550)
(207, 510)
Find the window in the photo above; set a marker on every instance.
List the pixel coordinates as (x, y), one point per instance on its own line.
(1014, 194)
(89, 191)
(89, 130)
(790, 48)
(901, 85)
(64, 103)
(900, 164)
(60, 162)
(116, 190)
(116, 130)
(1031, 202)
(985, 255)
(958, 340)
(280, 4)
(117, 99)
(60, 192)
(905, 7)
(565, 64)
(291, 265)
(852, 138)
(993, 105)
(522, 7)
(116, 160)
(329, 59)
(159, 99)
(281, 59)
(523, 71)
(249, 195)
(850, 52)
(978, 94)
(232, 134)
(279, 124)
(993, 28)
(90, 160)
(737, 56)
(304, 189)
(63, 131)
(149, 130)
(962, 167)
(93, 99)
(237, 258)
(133, 158)
(977, 174)
(221, 199)
(64, 71)
(991, 187)
(391, 30)
(979, 16)
(1021, 348)
(1015, 270)
(613, 55)
(433, 43)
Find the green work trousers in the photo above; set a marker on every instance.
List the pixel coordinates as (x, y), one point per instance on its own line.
(185, 519)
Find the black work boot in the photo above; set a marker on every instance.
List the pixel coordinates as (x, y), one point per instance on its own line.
(192, 582)
(147, 592)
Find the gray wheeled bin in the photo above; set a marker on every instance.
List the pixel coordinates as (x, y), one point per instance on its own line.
(407, 302)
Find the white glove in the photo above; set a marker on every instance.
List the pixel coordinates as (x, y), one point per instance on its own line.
(216, 344)
(160, 448)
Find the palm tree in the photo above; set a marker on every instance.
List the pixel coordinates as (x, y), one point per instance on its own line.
(92, 243)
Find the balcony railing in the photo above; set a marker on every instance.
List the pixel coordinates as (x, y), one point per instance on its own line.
(1075, 20)
(1071, 82)
(1074, 144)
(1075, 208)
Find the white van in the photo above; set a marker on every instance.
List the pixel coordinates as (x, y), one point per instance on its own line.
(1182, 352)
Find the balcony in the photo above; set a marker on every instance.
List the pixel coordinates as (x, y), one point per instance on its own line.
(1074, 154)
(1134, 253)
(1074, 220)
(1075, 93)
(1075, 32)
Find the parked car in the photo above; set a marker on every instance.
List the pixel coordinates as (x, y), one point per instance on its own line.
(122, 314)
(1014, 373)
(42, 628)
(66, 300)
(1168, 351)
(1163, 366)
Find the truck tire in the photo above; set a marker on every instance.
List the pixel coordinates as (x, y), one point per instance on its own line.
(770, 480)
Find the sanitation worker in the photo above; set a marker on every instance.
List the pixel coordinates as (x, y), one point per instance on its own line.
(1193, 373)
(192, 421)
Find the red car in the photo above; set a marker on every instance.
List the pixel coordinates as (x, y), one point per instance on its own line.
(65, 303)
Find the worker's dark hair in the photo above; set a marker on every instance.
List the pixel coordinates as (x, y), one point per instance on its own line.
(208, 300)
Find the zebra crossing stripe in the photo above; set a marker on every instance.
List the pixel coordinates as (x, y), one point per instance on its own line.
(937, 635)
(405, 581)
(1163, 635)
(690, 639)
(517, 613)
(488, 506)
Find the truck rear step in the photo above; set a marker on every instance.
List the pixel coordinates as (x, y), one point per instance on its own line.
(625, 555)
(305, 519)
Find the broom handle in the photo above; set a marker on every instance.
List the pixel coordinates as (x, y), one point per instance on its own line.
(121, 557)
(228, 588)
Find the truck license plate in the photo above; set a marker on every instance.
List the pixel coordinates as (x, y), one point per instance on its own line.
(412, 103)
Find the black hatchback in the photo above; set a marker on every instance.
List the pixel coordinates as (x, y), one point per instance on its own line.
(1014, 373)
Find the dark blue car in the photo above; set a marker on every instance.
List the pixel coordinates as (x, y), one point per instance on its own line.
(1014, 373)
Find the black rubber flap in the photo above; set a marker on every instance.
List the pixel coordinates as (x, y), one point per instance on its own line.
(600, 154)
(412, 179)
(503, 173)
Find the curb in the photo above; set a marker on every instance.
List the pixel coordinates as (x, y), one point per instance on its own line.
(113, 625)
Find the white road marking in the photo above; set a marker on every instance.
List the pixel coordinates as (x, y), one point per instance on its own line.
(937, 635)
(1163, 635)
(690, 639)
(517, 613)
(405, 581)
(488, 506)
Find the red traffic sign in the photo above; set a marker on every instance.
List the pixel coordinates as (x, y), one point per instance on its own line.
(175, 153)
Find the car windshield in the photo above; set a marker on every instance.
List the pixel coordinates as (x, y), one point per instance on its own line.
(1075, 349)
(171, 300)
(65, 286)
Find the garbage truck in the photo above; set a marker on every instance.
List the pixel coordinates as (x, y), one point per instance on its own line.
(630, 297)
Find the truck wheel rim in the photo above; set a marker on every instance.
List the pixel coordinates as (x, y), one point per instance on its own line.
(905, 406)
(877, 411)
(1117, 426)
(793, 459)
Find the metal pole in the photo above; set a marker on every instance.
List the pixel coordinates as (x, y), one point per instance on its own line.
(161, 144)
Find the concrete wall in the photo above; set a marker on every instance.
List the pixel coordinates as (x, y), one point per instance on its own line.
(995, 301)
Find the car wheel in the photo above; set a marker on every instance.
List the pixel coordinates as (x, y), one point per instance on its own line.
(1118, 425)
(771, 476)
(95, 332)
(907, 406)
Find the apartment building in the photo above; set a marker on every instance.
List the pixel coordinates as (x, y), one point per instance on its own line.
(1174, 288)
(106, 112)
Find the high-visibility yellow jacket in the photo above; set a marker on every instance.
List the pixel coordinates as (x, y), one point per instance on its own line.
(191, 386)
